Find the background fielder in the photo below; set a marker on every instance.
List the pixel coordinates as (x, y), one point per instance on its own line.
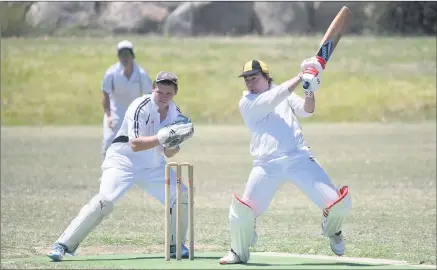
(280, 152)
(153, 127)
(122, 83)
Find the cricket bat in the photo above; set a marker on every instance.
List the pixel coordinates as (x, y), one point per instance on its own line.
(333, 35)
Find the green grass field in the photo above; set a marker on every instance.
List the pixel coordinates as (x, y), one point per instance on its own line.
(58, 80)
(48, 173)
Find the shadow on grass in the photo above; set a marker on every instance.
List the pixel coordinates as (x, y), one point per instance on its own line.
(135, 258)
(247, 264)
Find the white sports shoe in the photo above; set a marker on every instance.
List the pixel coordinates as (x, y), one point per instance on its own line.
(337, 243)
(57, 252)
(231, 258)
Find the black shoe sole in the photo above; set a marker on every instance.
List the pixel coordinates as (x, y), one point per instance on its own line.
(182, 257)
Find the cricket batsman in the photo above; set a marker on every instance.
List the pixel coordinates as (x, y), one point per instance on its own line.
(122, 83)
(153, 128)
(281, 154)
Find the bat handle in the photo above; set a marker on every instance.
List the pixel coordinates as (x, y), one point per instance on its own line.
(306, 85)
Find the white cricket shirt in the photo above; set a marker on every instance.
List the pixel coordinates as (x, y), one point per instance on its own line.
(142, 119)
(123, 91)
(271, 118)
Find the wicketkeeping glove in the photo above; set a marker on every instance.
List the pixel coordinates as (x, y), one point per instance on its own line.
(177, 141)
(181, 119)
(175, 134)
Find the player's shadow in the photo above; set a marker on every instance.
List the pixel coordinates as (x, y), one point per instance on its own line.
(136, 258)
(315, 264)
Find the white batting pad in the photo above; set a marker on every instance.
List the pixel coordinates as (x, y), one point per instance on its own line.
(184, 222)
(242, 224)
(336, 213)
(88, 218)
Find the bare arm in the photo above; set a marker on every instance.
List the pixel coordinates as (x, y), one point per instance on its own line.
(142, 143)
(106, 104)
(310, 104)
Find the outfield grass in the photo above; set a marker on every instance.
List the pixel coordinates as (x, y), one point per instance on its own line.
(57, 80)
(48, 173)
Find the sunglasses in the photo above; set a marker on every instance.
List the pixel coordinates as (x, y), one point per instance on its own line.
(124, 53)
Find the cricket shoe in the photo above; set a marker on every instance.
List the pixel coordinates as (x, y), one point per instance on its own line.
(337, 243)
(57, 253)
(231, 258)
(185, 253)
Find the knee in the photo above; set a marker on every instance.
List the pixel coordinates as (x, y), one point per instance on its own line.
(343, 205)
(257, 207)
(240, 211)
(101, 205)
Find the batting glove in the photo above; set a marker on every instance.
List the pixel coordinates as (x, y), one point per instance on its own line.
(311, 81)
(316, 62)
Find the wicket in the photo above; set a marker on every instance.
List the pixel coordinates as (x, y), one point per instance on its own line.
(179, 167)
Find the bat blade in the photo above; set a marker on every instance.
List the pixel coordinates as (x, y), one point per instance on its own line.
(334, 33)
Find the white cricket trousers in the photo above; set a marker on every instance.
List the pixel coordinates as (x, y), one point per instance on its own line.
(115, 182)
(301, 169)
(109, 133)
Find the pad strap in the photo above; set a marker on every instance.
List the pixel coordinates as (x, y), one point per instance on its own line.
(336, 213)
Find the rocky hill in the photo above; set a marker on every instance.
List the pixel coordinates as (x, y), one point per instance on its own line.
(196, 18)
(216, 18)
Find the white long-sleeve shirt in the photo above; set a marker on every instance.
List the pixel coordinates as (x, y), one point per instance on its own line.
(141, 119)
(271, 118)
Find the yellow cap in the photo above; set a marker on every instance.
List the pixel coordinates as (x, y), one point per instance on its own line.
(254, 66)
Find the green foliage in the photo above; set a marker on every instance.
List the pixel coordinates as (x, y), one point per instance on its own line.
(407, 18)
(58, 80)
(12, 19)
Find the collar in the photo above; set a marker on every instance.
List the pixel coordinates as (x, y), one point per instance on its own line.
(246, 92)
(172, 110)
(120, 67)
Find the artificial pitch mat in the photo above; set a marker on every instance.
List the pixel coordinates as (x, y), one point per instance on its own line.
(209, 260)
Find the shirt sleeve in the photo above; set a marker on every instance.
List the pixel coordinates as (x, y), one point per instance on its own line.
(297, 105)
(138, 120)
(146, 83)
(107, 83)
(260, 105)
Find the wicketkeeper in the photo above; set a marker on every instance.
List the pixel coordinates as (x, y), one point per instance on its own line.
(153, 128)
(280, 152)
